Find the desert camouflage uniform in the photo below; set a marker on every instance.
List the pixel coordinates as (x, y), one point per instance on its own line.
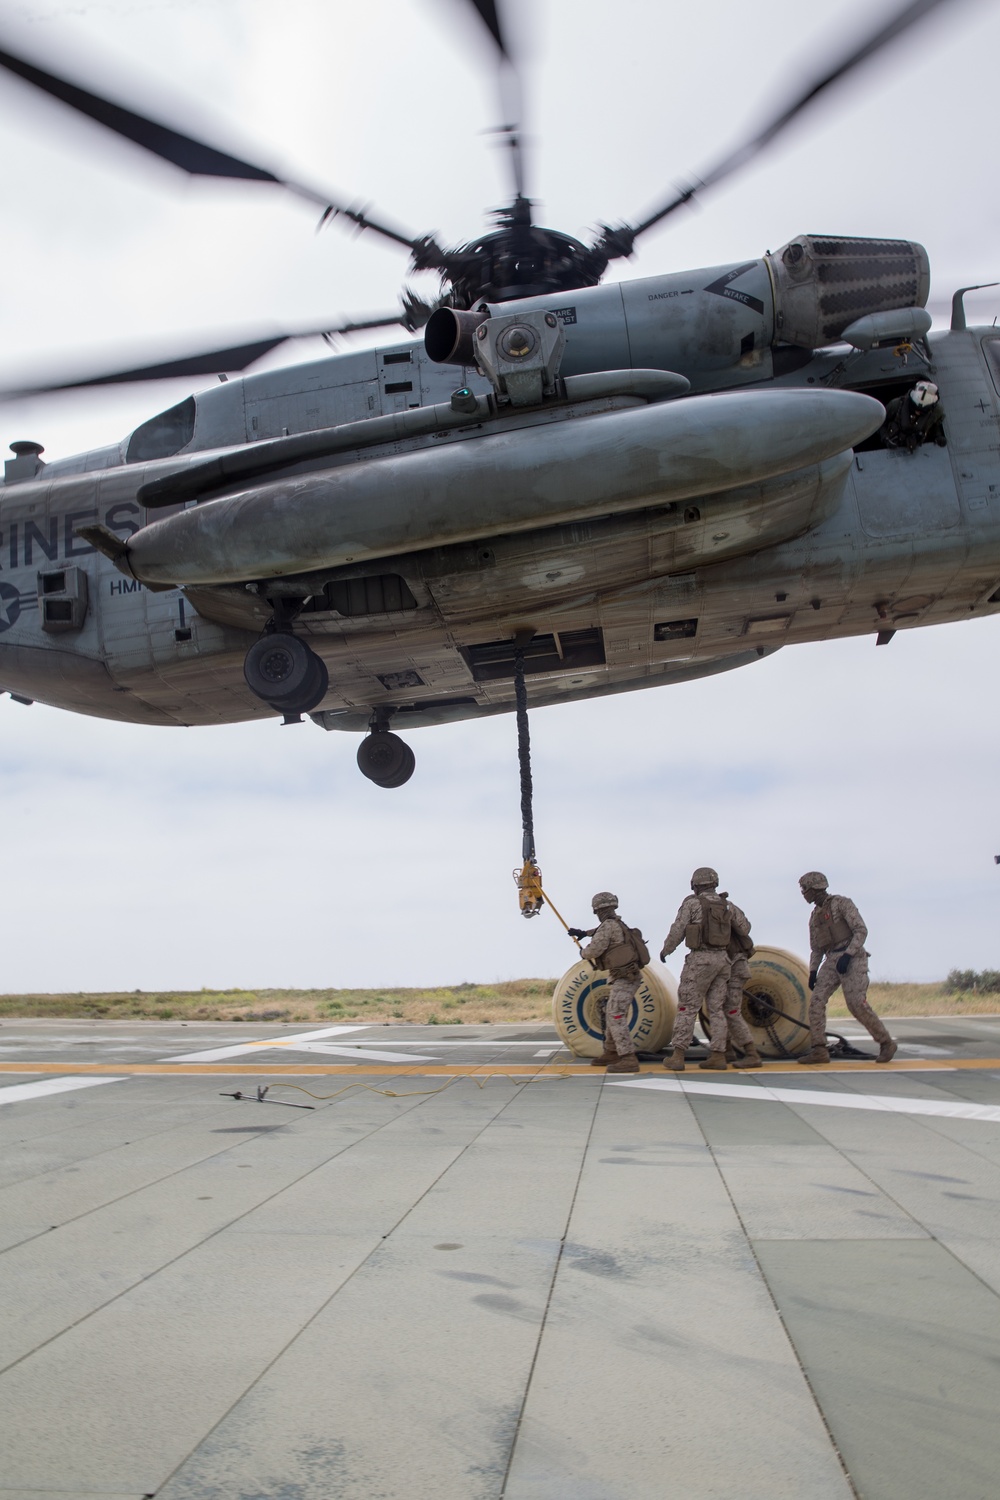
(704, 981)
(739, 1031)
(614, 1005)
(854, 983)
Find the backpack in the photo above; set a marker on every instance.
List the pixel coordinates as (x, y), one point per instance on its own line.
(631, 950)
(715, 929)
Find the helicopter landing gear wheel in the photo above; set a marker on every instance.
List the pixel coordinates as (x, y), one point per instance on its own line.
(282, 670)
(386, 759)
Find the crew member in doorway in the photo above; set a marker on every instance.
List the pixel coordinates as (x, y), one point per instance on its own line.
(739, 950)
(914, 419)
(705, 922)
(837, 956)
(613, 946)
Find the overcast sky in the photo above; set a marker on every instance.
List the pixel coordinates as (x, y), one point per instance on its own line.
(258, 856)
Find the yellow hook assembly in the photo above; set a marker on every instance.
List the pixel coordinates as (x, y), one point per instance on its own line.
(529, 888)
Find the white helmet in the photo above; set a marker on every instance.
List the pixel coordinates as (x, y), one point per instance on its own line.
(924, 393)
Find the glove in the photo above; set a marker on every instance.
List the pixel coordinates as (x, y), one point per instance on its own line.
(812, 979)
(664, 955)
(576, 932)
(843, 963)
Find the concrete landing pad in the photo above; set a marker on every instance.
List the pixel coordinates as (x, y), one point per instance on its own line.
(484, 1272)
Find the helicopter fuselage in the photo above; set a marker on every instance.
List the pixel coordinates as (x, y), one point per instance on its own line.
(620, 586)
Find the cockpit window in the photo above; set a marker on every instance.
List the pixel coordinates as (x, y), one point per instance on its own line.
(162, 435)
(991, 348)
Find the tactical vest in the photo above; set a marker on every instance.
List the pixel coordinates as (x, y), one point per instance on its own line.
(741, 944)
(715, 930)
(630, 949)
(832, 932)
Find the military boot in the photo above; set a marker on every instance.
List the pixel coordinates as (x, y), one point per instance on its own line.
(627, 1063)
(751, 1057)
(817, 1055)
(730, 1054)
(886, 1050)
(716, 1061)
(675, 1062)
(607, 1056)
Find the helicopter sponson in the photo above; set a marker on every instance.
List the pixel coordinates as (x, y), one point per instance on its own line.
(514, 480)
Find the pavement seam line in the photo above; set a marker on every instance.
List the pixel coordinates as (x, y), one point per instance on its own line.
(154, 1182)
(340, 1287)
(848, 1156)
(771, 1297)
(94, 1156)
(64, 1129)
(551, 1291)
(191, 1248)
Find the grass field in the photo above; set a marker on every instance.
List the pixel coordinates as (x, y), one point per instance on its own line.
(469, 1004)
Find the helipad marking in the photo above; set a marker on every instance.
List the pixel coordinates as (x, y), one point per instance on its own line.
(360, 1052)
(13, 1093)
(239, 1049)
(951, 1109)
(459, 1042)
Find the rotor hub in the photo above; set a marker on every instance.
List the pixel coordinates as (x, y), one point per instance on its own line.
(520, 259)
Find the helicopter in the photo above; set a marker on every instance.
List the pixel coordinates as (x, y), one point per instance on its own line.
(614, 485)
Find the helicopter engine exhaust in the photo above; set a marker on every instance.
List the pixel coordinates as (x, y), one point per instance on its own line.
(449, 336)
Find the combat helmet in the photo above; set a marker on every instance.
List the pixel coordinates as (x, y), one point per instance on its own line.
(814, 880)
(603, 898)
(704, 875)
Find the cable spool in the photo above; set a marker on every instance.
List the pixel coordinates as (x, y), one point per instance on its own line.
(776, 1003)
(574, 1009)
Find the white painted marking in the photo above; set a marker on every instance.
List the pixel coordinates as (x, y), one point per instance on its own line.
(921, 1051)
(357, 1054)
(916, 1065)
(951, 1109)
(395, 1041)
(216, 1054)
(14, 1093)
(548, 1051)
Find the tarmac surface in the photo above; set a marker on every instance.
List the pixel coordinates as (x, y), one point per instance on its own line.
(486, 1270)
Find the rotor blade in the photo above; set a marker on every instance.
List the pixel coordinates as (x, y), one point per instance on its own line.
(213, 362)
(906, 16)
(180, 150)
(491, 13)
(490, 18)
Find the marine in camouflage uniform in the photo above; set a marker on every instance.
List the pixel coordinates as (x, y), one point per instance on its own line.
(740, 1034)
(837, 957)
(705, 976)
(614, 1006)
